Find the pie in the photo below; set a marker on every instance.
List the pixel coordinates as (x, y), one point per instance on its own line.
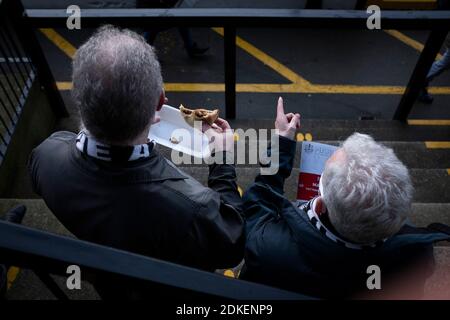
(191, 115)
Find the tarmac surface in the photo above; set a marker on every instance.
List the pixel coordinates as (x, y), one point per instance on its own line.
(337, 74)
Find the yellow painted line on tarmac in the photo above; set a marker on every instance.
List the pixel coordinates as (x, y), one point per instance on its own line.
(267, 60)
(408, 41)
(59, 41)
(229, 273)
(12, 275)
(282, 88)
(437, 144)
(355, 89)
(64, 85)
(429, 122)
(299, 85)
(194, 87)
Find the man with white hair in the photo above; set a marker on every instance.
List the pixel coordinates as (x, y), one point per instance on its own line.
(327, 246)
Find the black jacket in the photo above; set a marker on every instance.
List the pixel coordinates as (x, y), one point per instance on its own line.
(146, 206)
(284, 249)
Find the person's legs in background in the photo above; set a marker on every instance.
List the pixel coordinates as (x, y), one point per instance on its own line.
(436, 69)
(191, 47)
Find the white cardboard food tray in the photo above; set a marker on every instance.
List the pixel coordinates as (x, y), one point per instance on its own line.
(172, 124)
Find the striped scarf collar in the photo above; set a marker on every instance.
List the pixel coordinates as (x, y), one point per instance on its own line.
(309, 206)
(88, 145)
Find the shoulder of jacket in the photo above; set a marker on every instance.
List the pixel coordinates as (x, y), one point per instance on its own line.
(62, 136)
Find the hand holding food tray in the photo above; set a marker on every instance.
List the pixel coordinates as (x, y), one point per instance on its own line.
(177, 130)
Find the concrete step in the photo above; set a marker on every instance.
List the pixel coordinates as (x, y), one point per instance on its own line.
(412, 154)
(381, 130)
(40, 217)
(438, 285)
(431, 185)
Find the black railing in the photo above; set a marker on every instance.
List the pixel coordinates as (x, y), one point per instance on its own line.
(21, 58)
(16, 78)
(438, 22)
(47, 253)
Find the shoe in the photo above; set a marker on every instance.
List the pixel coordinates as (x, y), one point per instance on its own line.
(196, 51)
(425, 97)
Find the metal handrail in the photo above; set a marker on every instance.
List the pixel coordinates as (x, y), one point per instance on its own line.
(39, 250)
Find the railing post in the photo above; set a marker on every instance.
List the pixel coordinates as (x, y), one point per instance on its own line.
(31, 45)
(313, 4)
(418, 77)
(230, 71)
(360, 4)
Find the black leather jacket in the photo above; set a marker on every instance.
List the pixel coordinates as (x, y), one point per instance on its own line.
(146, 206)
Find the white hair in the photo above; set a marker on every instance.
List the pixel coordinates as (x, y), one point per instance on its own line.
(368, 193)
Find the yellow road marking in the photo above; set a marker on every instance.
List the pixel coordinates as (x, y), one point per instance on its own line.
(282, 88)
(267, 60)
(59, 41)
(427, 122)
(229, 273)
(408, 41)
(12, 275)
(355, 89)
(437, 144)
(299, 85)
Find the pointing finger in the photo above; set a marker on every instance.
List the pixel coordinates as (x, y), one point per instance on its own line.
(280, 107)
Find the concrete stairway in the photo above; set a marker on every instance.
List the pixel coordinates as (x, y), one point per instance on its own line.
(428, 165)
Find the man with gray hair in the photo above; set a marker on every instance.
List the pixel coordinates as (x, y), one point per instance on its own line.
(110, 185)
(326, 246)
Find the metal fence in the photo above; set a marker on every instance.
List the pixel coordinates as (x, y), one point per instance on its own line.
(16, 77)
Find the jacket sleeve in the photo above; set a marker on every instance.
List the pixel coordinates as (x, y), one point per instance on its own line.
(222, 179)
(265, 195)
(217, 238)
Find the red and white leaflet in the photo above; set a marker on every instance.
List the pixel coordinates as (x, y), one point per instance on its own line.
(312, 163)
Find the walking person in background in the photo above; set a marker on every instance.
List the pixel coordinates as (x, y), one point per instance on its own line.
(192, 48)
(438, 66)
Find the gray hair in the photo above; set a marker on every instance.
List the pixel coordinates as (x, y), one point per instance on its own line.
(117, 84)
(368, 193)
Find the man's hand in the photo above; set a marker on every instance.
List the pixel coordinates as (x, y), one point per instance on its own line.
(220, 135)
(286, 124)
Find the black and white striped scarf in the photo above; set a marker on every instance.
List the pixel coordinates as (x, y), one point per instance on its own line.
(101, 151)
(308, 207)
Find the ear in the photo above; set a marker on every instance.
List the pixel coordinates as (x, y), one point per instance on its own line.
(320, 206)
(162, 100)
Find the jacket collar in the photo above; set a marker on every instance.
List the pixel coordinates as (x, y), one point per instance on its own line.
(93, 148)
(153, 168)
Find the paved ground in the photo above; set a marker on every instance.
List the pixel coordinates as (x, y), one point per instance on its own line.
(340, 74)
